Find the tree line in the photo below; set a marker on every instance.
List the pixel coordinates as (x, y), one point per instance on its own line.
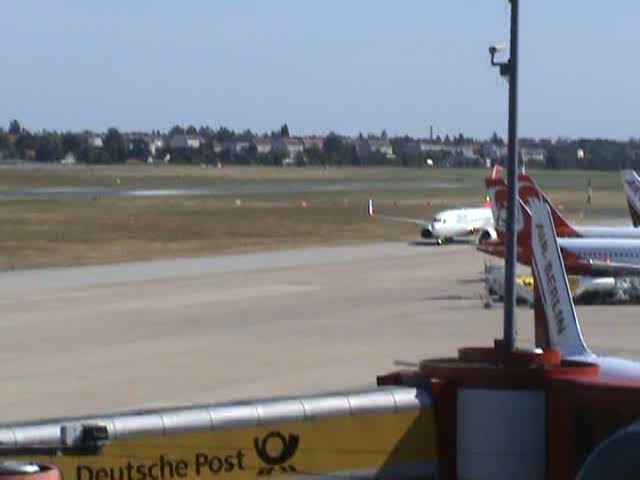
(118, 147)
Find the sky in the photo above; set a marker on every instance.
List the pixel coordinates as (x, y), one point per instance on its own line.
(348, 66)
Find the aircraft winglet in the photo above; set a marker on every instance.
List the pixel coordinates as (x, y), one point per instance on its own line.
(562, 326)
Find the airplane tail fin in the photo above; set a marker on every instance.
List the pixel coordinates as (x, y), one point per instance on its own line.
(529, 189)
(496, 172)
(370, 208)
(494, 184)
(497, 190)
(632, 190)
(558, 312)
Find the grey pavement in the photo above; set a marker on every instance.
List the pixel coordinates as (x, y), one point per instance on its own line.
(90, 340)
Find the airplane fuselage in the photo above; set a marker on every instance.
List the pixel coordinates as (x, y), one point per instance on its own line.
(459, 222)
(585, 256)
(607, 232)
(612, 367)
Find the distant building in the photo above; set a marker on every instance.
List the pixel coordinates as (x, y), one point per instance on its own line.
(533, 156)
(493, 151)
(236, 146)
(468, 150)
(460, 152)
(218, 147)
(289, 147)
(313, 142)
(155, 144)
(182, 141)
(369, 146)
(95, 141)
(263, 145)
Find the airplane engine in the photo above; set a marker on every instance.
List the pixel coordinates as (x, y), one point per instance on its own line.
(487, 234)
(615, 457)
(426, 233)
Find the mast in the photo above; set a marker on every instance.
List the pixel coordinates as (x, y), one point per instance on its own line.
(509, 70)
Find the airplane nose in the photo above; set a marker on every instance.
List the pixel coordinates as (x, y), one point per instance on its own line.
(426, 232)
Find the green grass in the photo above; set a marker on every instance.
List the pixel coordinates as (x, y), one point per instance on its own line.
(56, 233)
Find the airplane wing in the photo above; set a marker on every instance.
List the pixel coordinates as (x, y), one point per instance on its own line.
(415, 221)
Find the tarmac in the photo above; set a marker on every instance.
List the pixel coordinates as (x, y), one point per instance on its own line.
(94, 340)
(262, 188)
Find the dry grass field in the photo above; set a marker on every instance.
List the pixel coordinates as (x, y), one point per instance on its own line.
(37, 233)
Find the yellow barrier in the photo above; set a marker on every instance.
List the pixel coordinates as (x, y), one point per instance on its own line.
(368, 443)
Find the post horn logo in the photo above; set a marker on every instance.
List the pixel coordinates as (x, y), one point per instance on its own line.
(275, 450)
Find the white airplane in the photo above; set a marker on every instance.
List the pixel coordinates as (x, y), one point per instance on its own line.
(582, 256)
(528, 188)
(446, 225)
(631, 183)
(560, 320)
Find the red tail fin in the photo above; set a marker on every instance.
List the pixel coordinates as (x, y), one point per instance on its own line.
(498, 191)
(529, 189)
(497, 171)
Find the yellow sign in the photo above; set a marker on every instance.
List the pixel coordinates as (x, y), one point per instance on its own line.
(528, 282)
(363, 443)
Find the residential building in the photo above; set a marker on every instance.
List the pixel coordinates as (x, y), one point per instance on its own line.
(290, 147)
(533, 156)
(493, 151)
(217, 146)
(155, 144)
(95, 141)
(236, 146)
(182, 141)
(369, 146)
(263, 145)
(313, 142)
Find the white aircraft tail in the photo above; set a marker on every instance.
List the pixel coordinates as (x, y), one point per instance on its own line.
(562, 326)
(370, 208)
(632, 189)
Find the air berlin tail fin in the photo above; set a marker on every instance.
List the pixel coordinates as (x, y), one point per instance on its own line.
(550, 277)
(529, 189)
(632, 190)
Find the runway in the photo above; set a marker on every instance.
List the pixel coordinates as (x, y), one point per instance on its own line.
(92, 340)
(249, 188)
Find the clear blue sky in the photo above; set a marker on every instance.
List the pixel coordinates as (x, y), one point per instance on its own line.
(320, 65)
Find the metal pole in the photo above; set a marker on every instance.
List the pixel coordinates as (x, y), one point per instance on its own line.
(510, 329)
